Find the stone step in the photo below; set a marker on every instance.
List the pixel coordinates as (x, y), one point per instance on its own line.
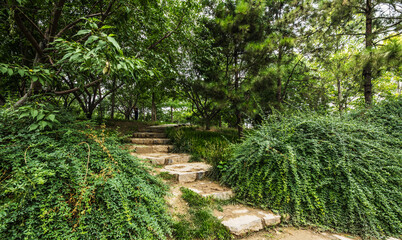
(141, 149)
(187, 172)
(150, 141)
(241, 220)
(165, 158)
(210, 189)
(153, 129)
(149, 135)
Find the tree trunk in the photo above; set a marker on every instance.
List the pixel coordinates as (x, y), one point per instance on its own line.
(239, 123)
(207, 124)
(237, 101)
(279, 80)
(153, 108)
(171, 114)
(338, 85)
(113, 100)
(367, 70)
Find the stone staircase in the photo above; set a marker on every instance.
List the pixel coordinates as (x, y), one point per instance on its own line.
(152, 145)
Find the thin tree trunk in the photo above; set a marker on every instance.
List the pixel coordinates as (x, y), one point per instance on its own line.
(279, 80)
(113, 100)
(338, 85)
(236, 102)
(207, 124)
(367, 70)
(171, 114)
(153, 108)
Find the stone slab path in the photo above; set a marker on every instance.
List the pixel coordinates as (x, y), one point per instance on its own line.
(152, 145)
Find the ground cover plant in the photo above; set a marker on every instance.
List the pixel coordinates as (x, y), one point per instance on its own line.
(329, 171)
(201, 224)
(69, 181)
(210, 146)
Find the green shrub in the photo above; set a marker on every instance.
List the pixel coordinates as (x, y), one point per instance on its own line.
(74, 182)
(204, 145)
(387, 114)
(322, 170)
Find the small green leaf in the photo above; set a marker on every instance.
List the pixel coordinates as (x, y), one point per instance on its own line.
(25, 114)
(3, 70)
(33, 127)
(43, 124)
(82, 32)
(40, 116)
(51, 117)
(113, 41)
(91, 39)
(106, 27)
(10, 71)
(34, 113)
(21, 72)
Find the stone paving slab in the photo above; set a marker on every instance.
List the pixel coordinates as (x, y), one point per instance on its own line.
(187, 172)
(170, 125)
(152, 129)
(209, 188)
(238, 220)
(150, 141)
(140, 149)
(149, 135)
(165, 158)
(243, 224)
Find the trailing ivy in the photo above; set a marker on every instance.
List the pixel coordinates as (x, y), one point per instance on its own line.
(74, 182)
(323, 170)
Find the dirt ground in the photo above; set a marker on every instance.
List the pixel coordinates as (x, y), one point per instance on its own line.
(291, 233)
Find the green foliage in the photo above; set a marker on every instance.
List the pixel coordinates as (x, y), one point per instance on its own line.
(74, 182)
(207, 145)
(40, 115)
(202, 224)
(323, 170)
(387, 114)
(193, 199)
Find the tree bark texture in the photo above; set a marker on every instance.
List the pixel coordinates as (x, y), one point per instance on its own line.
(367, 70)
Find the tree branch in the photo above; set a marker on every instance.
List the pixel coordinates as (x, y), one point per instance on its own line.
(389, 37)
(28, 35)
(71, 25)
(31, 22)
(167, 35)
(77, 88)
(56, 13)
(290, 77)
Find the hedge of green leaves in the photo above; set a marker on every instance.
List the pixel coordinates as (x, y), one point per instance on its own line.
(343, 173)
(74, 182)
(206, 145)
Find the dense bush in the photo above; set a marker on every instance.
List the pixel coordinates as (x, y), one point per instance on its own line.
(327, 171)
(387, 114)
(69, 181)
(210, 146)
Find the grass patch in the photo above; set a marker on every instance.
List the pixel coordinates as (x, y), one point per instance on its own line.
(195, 200)
(202, 223)
(166, 176)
